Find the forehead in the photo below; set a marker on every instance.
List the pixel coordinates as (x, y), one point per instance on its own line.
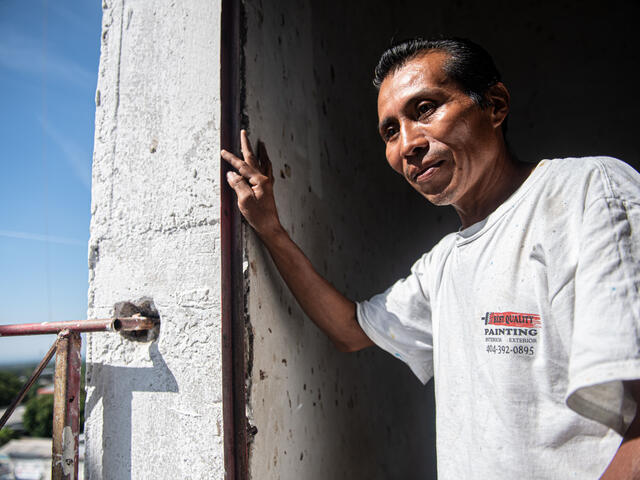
(423, 73)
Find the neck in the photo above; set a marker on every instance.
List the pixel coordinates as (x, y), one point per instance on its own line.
(494, 188)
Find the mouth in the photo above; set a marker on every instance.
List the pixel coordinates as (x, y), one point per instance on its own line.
(426, 173)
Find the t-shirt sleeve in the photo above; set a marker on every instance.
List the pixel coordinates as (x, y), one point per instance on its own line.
(399, 321)
(605, 344)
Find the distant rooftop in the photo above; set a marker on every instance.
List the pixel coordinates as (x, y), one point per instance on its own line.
(32, 448)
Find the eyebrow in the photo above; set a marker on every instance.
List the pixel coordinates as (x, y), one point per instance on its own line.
(381, 127)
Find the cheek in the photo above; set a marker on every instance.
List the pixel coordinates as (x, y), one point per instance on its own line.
(461, 128)
(394, 160)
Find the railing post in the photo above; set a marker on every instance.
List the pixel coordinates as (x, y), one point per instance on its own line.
(66, 411)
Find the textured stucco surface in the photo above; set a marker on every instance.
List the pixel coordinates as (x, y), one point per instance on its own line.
(322, 414)
(154, 410)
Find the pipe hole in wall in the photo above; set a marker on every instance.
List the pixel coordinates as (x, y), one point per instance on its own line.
(144, 307)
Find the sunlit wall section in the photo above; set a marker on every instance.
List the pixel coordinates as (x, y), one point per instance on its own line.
(154, 408)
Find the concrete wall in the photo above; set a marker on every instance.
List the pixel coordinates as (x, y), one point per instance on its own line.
(322, 414)
(154, 408)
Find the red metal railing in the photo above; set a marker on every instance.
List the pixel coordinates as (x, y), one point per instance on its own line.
(66, 396)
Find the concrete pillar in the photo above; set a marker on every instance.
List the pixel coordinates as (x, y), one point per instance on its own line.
(154, 408)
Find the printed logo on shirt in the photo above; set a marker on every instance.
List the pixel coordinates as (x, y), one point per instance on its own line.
(511, 333)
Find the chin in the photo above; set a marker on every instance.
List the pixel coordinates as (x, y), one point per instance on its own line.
(441, 200)
(439, 197)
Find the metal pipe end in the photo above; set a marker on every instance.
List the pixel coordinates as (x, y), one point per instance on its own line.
(137, 320)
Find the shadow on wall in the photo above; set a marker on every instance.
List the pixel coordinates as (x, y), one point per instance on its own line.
(570, 68)
(116, 422)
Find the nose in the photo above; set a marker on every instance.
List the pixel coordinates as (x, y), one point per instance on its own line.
(413, 141)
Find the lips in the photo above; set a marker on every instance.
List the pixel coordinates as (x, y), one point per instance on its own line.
(426, 173)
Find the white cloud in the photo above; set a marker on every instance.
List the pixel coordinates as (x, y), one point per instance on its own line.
(22, 53)
(70, 18)
(78, 159)
(41, 238)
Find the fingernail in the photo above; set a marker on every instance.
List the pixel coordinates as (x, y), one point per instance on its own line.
(229, 175)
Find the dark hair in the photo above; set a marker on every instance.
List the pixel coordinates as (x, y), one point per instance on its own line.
(469, 65)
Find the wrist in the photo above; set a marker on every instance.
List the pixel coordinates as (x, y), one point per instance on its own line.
(270, 234)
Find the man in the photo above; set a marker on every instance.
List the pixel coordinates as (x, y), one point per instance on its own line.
(528, 318)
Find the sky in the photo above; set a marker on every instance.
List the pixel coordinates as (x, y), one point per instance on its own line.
(49, 55)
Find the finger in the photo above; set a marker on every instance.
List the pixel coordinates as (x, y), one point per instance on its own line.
(258, 190)
(247, 151)
(242, 189)
(263, 158)
(241, 166)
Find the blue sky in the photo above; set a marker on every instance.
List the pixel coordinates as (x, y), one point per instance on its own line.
(49, 54)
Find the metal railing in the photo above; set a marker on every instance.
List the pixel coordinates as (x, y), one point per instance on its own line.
(66, 396)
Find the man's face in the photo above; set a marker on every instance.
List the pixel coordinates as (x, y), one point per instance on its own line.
(436, 136)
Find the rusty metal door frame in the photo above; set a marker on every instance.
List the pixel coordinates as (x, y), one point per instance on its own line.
(232, 284)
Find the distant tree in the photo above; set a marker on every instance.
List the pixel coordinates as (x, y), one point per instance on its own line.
(7, 434)
(38, 416)
(10, 385)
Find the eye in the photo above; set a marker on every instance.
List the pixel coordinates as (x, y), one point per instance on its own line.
(388, 132)
(425, 108)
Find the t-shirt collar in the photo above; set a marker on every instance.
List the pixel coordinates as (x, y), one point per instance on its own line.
(472, 232)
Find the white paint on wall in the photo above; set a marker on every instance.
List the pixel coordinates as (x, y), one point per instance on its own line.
(154, 410)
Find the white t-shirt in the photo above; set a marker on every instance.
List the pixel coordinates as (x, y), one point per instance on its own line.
(529, 321)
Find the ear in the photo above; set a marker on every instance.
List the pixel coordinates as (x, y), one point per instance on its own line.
(498, 98)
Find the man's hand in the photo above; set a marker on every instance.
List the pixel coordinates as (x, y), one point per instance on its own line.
(333, 313)
(254, 187)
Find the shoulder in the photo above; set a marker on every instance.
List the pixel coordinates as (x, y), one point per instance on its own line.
(599, 176)
(434, 256)
(586, 165)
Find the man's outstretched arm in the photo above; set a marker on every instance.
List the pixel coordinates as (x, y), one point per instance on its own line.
(331, 311)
